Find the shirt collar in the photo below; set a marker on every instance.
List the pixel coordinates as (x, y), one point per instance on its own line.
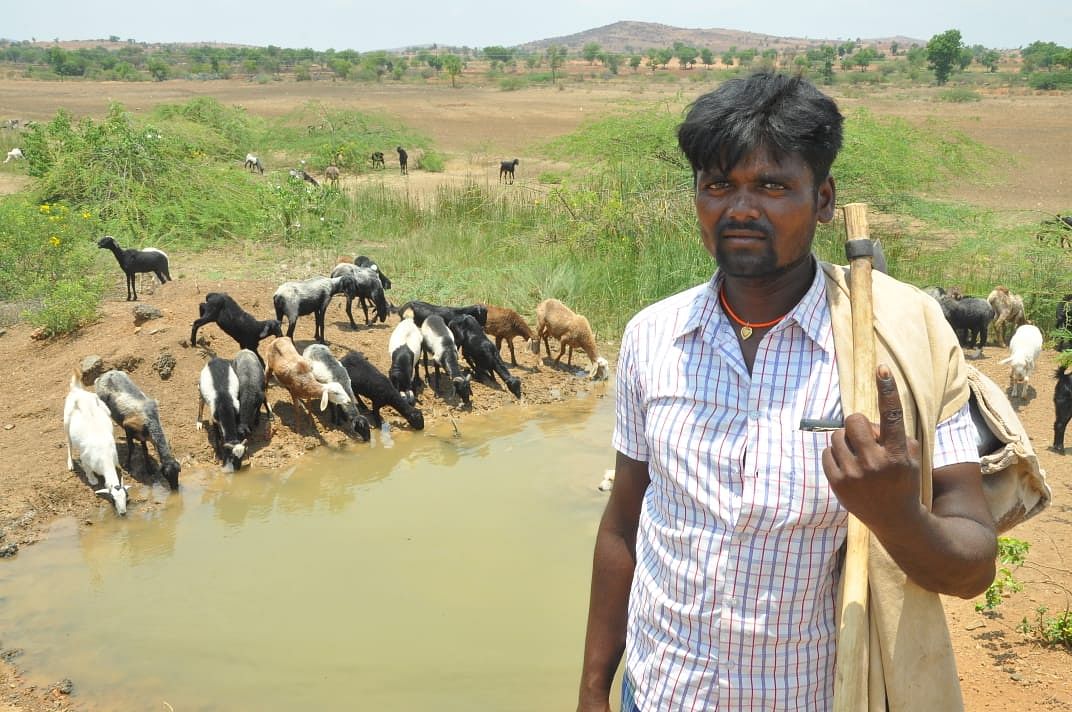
(811, 313)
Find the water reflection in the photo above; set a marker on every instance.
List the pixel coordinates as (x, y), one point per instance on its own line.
(449, 572)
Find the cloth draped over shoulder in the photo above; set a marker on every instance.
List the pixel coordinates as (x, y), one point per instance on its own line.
(911, 667)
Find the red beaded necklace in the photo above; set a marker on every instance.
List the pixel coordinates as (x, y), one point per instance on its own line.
(746, 326)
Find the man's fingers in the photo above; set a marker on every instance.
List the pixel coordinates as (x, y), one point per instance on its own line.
(890, 414)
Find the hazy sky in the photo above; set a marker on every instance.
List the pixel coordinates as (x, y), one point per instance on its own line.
(387, 24)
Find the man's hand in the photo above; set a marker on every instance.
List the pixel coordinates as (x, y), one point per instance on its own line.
(875, 470)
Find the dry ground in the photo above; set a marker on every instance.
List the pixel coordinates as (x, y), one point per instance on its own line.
(476, 128)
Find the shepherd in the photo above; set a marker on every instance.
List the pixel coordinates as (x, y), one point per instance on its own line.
(745, 444)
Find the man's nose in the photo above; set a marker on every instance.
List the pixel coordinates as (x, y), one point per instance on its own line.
(743, 206)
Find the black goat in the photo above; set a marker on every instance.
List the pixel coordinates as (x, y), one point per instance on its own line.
(970, 318)
(419, 311)
(377, 159)
(363, 261)
(403, 159)
(481, 355)
(506, 170)
(134, 262)
(1062, 405)
(367, 289)
(366, 380)
(249, 368)
(237, 323)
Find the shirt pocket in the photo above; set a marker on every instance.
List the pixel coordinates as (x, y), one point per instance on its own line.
(806, 498)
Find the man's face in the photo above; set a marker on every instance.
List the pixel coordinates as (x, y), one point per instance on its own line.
(759, 219)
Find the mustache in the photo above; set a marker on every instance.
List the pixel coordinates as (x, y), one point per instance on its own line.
(729, 225)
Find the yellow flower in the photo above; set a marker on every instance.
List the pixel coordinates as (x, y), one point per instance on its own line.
(86, 215)
(45, 208)
(55, 241)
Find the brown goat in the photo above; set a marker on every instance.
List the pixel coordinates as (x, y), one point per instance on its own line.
(295, 373)
(553, 318)
(332, 173)
(504, 323)
(1008, 309)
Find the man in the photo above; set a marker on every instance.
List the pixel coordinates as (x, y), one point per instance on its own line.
(717, 561)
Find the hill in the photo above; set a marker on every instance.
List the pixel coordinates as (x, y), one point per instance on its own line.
(629, 36)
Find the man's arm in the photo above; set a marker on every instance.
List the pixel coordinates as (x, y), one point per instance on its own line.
(612, 575)
(875, 473)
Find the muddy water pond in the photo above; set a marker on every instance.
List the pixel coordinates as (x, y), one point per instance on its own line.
(439, 571)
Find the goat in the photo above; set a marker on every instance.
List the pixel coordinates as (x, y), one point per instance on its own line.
(332, 173)
(304, 175)
(403, 159)
(935, 292)
(220, 308)
(88, 426)
(367, 287)
(249, 368)
(437, 341)
(506, 170)
(1062, 405)
(1024, 346)
(253, 163)
(419, 311)
(132, 262)
(295, 374)
(970, 318)
(139, 417)
(377, 159)
(553, 318)
(14, 154)
(1009, 309)
(505, 324)
(481, 355)
(327, 369)
(404, 347)
(310, 296)
(363, 261)
(367, 381)
(218, 388)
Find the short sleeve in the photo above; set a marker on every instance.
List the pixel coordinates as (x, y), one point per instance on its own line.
(628, 437)
(955, 439)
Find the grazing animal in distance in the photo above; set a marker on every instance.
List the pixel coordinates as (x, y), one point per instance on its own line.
(1009, 310)
(332, 173)
(132, 262)
(1063, 321)
(403, 160)
(506, 170)
(553, 318)
(139, 417)
(14, 154)
(87, 424)
(253, 163)
(377, 159)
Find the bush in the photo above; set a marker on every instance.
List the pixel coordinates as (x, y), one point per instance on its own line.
(432, 161)
(511, 83)
(69, 306)
(1050, 81)
(959, 95)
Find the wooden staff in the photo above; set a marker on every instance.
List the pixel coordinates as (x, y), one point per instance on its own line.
(850, 681)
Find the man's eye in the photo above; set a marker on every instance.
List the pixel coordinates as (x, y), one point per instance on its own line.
(770, 185)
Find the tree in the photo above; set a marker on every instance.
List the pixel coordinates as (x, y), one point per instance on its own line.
(453, 64)
(634, 61)
(611, 60)
(1041, 55)
(686, 55)
(158, 69)
(894, 46)
(707, 57)
(496, 53)
(556, 57)
(591, 52)
(943, 53)
(663, 56)
(989, 59)
(865, 57)
(653, 58)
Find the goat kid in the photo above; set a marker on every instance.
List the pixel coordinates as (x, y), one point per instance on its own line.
(1025, 346)
(88, 426)
(139, 417)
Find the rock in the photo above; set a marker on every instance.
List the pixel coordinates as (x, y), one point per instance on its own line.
(3, 331)
(91, 366)
(1016, 676)
(64, 686)
(146, 312)
(164, 364)
(39, 334)
(10, 654)
(128, 363)
(9, 426)
(8, 550)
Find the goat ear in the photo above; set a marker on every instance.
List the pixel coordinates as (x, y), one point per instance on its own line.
(324, 400)
(266, 330)
(102, 492)
(1007, 359)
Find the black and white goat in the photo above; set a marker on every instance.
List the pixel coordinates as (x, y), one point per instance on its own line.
(437, 341)
(218, 388)
(249, 368)
(481, 355)
(139, 417)
(88, 426)
(253, 163)
(327, 369)
(234, 321)
(369, 382)
(310, 296)
(419, 311)
(404, 348)
(132, 262)
(368, 288)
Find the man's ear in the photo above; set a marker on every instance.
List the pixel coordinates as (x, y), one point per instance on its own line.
(826, 198)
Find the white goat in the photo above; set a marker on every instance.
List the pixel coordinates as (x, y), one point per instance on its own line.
(14, 154)
(1024, 346)
(88, 425)
(553, 318)
(253, 163)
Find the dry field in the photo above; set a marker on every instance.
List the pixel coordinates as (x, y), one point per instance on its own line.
(475, 128)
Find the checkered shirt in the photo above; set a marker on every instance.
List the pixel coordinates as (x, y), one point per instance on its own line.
(732, 605)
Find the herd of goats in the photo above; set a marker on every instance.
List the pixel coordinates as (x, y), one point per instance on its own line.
(233, 391)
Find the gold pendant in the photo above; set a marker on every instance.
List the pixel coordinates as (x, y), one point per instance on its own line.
(746, 331)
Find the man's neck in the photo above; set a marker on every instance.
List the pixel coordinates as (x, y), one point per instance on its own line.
(760, 299)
